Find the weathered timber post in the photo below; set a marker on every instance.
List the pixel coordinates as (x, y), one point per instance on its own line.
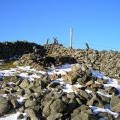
(71, 37)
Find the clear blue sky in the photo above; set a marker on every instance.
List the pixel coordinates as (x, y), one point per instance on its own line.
(96, 22)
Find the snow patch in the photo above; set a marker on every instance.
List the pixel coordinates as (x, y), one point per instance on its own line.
(14, 116)
(96, 110)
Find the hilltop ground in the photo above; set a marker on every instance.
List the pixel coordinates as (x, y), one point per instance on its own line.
(52, 82)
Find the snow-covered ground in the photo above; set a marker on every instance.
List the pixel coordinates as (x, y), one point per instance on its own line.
(24, 72)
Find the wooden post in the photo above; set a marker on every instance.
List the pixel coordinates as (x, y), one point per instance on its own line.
(71, 37)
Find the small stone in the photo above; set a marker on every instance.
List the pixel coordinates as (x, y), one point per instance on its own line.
(20, 116)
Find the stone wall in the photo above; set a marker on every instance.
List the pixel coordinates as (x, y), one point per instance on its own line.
(104, 61)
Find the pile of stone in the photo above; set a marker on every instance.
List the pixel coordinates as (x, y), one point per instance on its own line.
(105, 61)
(56, 54)
(45, 99)
(10, 50)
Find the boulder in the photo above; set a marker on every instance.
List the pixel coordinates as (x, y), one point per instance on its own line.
(25, 83)
(115, 103)
(55, 116)
(32, 114)
(30, 103)
(5, 106)
(58, 106)
(46, 109)
(83, 113)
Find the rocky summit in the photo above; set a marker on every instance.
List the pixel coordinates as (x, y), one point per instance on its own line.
(52, 82)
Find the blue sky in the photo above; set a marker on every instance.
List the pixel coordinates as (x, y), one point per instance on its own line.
(96, 22)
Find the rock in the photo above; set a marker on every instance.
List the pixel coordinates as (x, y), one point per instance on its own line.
(21, 109)
(5, 106)
(46, 109)
(71, 77)
(15, 103)
(55, 116)
(115, 103)
(82, 115)
(89, 83)
(21, 92)
(36, 89)
(73, 103)
(112, 90)
(105, 99)
(84, 94)
(53, 84)
(106, 116)
(28, 91)
(31, 113)
(95, 101)
(65, 99)
(24, 84)
(20, 116)
(30, 103)
(58, 106)
(16, 63)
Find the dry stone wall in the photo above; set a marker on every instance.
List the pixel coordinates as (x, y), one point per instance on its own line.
(105, 61)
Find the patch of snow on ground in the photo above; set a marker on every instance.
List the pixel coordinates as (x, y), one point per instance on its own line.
(96, 110)
(110, 82)
(88, 91)
(20, 99)
(14, 116)
(97, 74)
(61, 70)
(7, 73)
(103, 94)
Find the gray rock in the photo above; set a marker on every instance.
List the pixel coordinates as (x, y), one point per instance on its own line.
(32, 114)
(106, 116)
(30, 103)
(58, 106)
(16, 63)
(20, 117)
(115, 103)
(84, 116)
(46, 109)
(84, 94)
(55, 116)
(5, 106)
(15, 103)
(24, 84)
